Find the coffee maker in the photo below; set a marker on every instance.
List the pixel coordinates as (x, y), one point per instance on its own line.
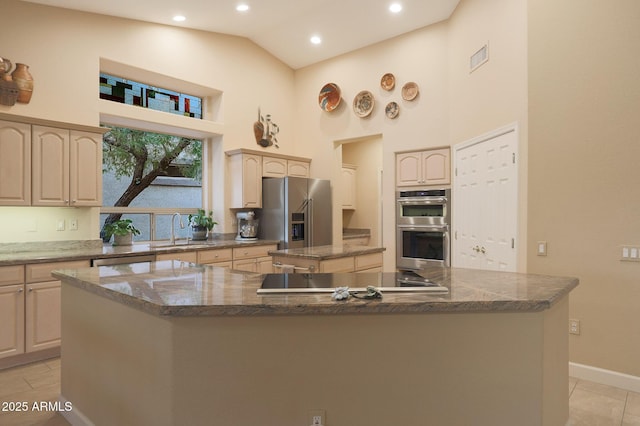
(247, 226)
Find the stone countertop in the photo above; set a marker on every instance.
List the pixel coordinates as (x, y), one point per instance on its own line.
(174, 288)
(49, 252)
(327, 252)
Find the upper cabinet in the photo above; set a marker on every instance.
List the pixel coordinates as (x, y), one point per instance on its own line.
(67, 167)
(424, 168)
(248, 167)
(49, 165)
(348, 186)
(15, 164)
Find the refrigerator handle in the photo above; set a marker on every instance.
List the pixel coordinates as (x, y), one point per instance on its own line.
(310, 216)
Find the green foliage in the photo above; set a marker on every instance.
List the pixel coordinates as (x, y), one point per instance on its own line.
(202, 219)
(127, 151)
(120, 227)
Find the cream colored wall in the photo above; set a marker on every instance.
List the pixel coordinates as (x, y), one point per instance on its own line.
(367, 156)
(584, 100)
(34, 224)
(63, 49)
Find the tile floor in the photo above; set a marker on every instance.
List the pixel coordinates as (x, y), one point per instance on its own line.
(590, 404)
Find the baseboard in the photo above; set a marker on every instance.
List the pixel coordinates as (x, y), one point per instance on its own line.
(605, 377)
(74, 416)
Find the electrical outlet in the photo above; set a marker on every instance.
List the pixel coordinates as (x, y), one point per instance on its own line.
(574, 326)
(316, 417)
(73, 224)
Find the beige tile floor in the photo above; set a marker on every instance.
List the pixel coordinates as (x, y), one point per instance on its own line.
(590, 404)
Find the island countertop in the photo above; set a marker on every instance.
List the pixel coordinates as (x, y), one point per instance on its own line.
(174, 288)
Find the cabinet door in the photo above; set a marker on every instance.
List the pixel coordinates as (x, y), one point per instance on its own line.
(408, 169)
(50, 163)
(246, 177)
(215, 256)
(342, 264)
(298, 168)
(42, 316)
(264, 265)
(85, 173)
(15, 164)
(11, 320)
(274, 167)
(248, 265)
(436, 167)
(184, 256)
(348, 187)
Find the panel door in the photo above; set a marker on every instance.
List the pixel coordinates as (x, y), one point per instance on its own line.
(298, 168)
(85, 173)
(274, 167)
(11, 320)
(50, 150)
(15, 164)
(485, 202)
(348, 187)
(436, 167)
(409, 169)
(42, 316)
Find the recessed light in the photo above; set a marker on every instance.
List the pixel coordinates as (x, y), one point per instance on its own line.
(242, 7)
(179, 18)
(316, 39)
(395, 7)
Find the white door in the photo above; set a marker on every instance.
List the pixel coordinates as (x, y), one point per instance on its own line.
(485, 201)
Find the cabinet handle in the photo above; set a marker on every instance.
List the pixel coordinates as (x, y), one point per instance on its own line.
(30, 288)
(20, 290)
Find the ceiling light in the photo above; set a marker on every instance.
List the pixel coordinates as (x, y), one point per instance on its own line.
(179, 18)
(242, 7)
(395, 7)
(316, 39)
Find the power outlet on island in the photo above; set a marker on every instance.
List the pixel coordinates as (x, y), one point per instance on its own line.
(317, 418)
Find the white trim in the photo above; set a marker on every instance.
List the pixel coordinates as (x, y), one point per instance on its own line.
(74, 416)
(605, 377)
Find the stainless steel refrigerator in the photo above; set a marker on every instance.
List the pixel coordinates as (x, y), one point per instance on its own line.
(296, 211)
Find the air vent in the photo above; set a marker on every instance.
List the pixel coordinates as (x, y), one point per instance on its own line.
(479, 58)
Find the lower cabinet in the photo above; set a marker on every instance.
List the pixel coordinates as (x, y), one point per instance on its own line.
(11, 319)
(371, 262)
(254, 258)
(183, 256)
(42, 316)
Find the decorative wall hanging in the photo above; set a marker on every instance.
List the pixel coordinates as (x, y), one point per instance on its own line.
(265, 131)
(16, 86)
(388, 81)
(410, 91)
(363, 103)
(329, 97)
(392, 110)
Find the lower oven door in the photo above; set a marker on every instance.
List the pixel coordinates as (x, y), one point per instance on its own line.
(420, 246)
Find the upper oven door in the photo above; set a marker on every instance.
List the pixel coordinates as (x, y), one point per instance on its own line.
(423, 207)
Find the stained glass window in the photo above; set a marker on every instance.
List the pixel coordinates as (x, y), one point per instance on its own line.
(131, 92)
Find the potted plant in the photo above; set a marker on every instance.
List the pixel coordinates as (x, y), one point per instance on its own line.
(201, 224)
(122, 231)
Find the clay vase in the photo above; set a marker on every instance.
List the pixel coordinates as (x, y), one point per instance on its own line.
(24, 80)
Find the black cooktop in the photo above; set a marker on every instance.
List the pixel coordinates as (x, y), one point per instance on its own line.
(322, 281)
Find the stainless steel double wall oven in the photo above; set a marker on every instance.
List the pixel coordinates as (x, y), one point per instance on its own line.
(423, 217)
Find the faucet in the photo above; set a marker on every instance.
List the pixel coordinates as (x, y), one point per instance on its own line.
(173, 232)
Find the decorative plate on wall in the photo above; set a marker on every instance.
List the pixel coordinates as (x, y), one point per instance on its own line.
(363, 103)
(388, 81)
(410, 91)
(329, 97)
(392, 110)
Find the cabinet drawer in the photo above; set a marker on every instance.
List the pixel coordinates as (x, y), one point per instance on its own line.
(184, 256)
(11, 274)
(343, 264)
(367, 261)
(212, 256)
(39, 272)
(252, 251)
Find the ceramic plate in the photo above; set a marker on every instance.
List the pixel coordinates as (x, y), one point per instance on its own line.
(363, 103)
(392, 110)
(410, 91)
(388, 81)
(329, 97)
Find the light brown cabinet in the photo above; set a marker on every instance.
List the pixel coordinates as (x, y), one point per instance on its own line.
(371, 262)
(183, 256)
(423, 168)
(217, 257)
(281, 167)
(15, 164)
(297, 168)
(44, 163)
(348, 186)
(246, 181)
(30, 307)
(253, 258)
(67, 167)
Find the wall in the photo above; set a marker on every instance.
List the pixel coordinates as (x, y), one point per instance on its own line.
(64, 49)
(584, 99)
(453, 105)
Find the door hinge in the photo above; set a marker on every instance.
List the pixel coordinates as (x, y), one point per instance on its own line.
(513, 157)
(513, 243)
(456, 171)
(455, 235)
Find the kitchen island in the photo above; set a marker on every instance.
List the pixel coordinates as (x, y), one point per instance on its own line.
(177, 343)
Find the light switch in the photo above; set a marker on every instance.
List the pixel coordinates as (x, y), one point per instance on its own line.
(542, 248)
(60, 225)
(625, 252)
(633, 253)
